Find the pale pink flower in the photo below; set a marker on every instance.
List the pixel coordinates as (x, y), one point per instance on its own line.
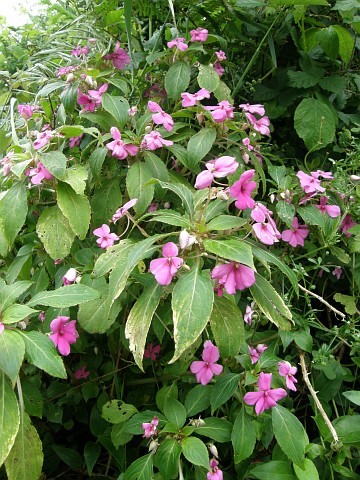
(218, 168)
(64, 333)
(234, 276)
(321, 173)
(309, 183)
(186, 240)
(261, 125)
(150, 428)
(165, 268)
(220, 55)
(219, 69)
(242, 189)
(81, 373)
(257, 351)
(199, 35)
(151, 352)
(106, 239)
(42, 139)
(118, 147)
(178, 43)
(337, 272)
(133, 111)
(222, 111)
(261, 347)
(92, 99)
(267, 232)
(119, 57)
(79, 50)
(296, 235)
(249, 312)
(38, 174)
(332, 210)
(286, 370)
(26, 111)
(256, 108)
(207, 368)
(75, 141)
(70, 276)
(190, 99)
(215, 473)
(152, 207)
(265, 398)
(120, 212)
(260, 213)
(246, 142)
(65, 70)
(160, 117)
(2, 328)
(346, 224)
(204, 180)
(154, 140)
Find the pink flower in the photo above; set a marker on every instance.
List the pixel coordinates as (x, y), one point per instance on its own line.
(81, 374)
(190, 99)
(309, 183)
(249, 312)
(120, 212)
(154, 140)
(346, 224)
(150, 428)
(38, 174)
(287, 371)
(234, 276)
(199, 35)
(64, 334)
(42, 139)
(118, 147)
(261, 125)
(332, 210)
(215, 473)
(152, 207)
(151, 352)
(26, 111)
(206, 369)
(92, 99)
(257, 108)
(75, 141)
(119, 57)
(2, 328)
(337, 272)
(220, 55)
(178, 43)
(265, 398)
(70, 276)
(65, 70)
(78, 51)
(41, 316)
(222, 111)
(165, 268)
(296, 235)
(321, 173)
(219, 69)
(204, 180)
(218, 168)
(106, 239)
(256, 352)
(242, 189)
(267, 232)
(160, 117)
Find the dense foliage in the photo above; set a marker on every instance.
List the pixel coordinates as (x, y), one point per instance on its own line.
(179, 241)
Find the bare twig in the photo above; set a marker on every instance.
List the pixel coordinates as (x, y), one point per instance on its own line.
(335, 310)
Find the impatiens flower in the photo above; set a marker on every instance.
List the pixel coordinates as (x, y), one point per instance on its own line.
(242, 189)
(199, 35)
(332, 210)
(204, 180)
(42, 139)
(206, 369)
(38, 174)
(106, 239)
(118, 147)
(346, 224)
(267, 232)
(249, 312)
(222, 111)
(150, 428)
(218, 168)
(220, 55)
(337, 272)
(151, 352)
(215, 473)
(321, 173)
(257, 351)
(257, 108)
(41, 316)
(79, 50)
(81, 373)
(190, 99)
(309, 183)
(219, 69)
(92, 99)
(65, 70)
(265, 398)
(70, 276)
(119, 57)
(296, 235)
(160, 117)
(152, 207)
(234, 276)
(26, 111)
(165, 268)
(133, 111)
(178, 43)
(261, 125)
(2, 328)
(75, 141)
(186, 240)
(154, 140)
(120, 212)
(64, 334)
(287, 371)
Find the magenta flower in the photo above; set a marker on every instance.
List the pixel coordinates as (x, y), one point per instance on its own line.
(267, 232)
(199, 35)
(70, 276)
(234, 276)
(190, 99)
(215, 473)
(346, 224)
(119, 57)
(296, 235)
(160, 117)
(337, 272)
(2, 328)
(257, 351)
(242, 189)
(220, 55)
(287, 371)
(26, 111)
(309, 183)
(178, 43)
(207, 368)
(249, 312)
(332, 210)
(120, 212)
(150, 428)
(81, 373)
(64, 334)
(154, 140)
(79, 50)
(65, 70)
(265, 398)
(204, 180)
(38, 174)
(257, 108)
(152, 207)
(118, 147)
(42, 139)
(261, 125)
(106, 239)
(218, 168)
(165, 268)
(75, 141)
(222, 111)
(151, 352)
(219, 69)
(41, 316)
(92, 99)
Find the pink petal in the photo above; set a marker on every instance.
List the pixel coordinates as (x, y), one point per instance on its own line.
(251, 398)
(211, 353)
(170, 250)
(264, 381)
(277, 394)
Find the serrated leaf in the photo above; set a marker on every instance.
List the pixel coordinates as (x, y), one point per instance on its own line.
(97, 159)
(299, 79)
(14, 201)
(346, 43)
(117, 411)
(55, 163)
(223, 92)
(208, 78)
(311, 215)
(167, 457)
(224, 389)
(12, 351)
(175, 412)
(113, 255)
(9, 293)
(55, 232)
(137, 177)
(225, 222)
(232, 249)
(348, 302)
(243, 436)
(16, 313)
(177, 79)
(9, 417)
(75, 208)
(200, 145)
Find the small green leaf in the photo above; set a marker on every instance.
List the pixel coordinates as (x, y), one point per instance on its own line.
(141, 469)
(224, 389)
(76, 177)
(208, 78)
(232, 249)
(97, 159)
(105, 201)
(9, 293)
(117, 106)
(225, 222)
(200, 145)
(353, 396)
(117, 411)
(67, 296)
(243, 437)
(198, 399)
(167, 458)
(14, 201)
(91, 454)
(171, 217)
(137, 177)
(177, 79)
(175, 412)
(346, 43)
(286, 212)
(183, 192)
(109, 259)
(9, 417)
(277, 469)
(195, 451)
(55, 232)
(307, 471)
(348, 302)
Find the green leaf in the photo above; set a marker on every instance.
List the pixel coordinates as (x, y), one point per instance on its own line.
(141, 469)
(103, 119)
(311, 215)
(200, 145)
(12, 351)
(299, 2)
(63, 297)
(243, 436)
(16, 313)
(96, 160)
(76, 177)
(97, 316)
(119, 436)
(286, 212)
(55, 163)
(303, 339)
(348, 302)
(314, 123)
(232, 249)
(68, 98)
(299, 79)
(9, 293)
(227, 326)
(69, 456)
(139, 321)
(167, 458)
(223, 92)
(91, 454)
(109, 259)
(348, 429)
(185, 193)
(353, 396)
(192, 303)
(208, 78)
(137, 177)
(105, 201)
(218, 429)
(195, 451)
(14, 201)
(198, 399)
(290, 434)
(277, 470)
(346, 43)
(75, 208)
(55, 232)
(175, 412)
(9, 417)
(120, 84)
(224, 389)
(117, 411)
(180, 153)
(177, 79)
(117, 106)
(307, 471)
(71, 130)
(40, 351)
(225, 222)
(156, 167)
(271, 304)
(171, 217)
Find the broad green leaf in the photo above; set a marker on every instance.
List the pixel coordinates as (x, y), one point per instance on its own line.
(276, 470)
(167, 458)
(97, 316)
(223, 92)
(137, 177)
(208, 78)
(105, 201)
(308, 471)
(195, 451)
(299, 79)
(40, 351)
(92, 452)
(156, 167)
(141, 469)
(346, 43)
(97, 159)
(120, 84)
(55, 232)
(55, 163)
(67, 296)
(71, 130)
(218, 429)
(116, 411)
(109, 259)
(177, 79)
(198, 399)
(14, 201)
(12, 351)
(225, 222)
(180, 153)
(75, 208)
(9, 417)
(68, 98)
(353, 396)
(25, 459)
(119, 436)
(348, 302)
(164, 393)
(311, 215)
(303, 339)
(139, 321)
(15, 313)
(117, 106)
(223, 389)
(69, 456)
(51, 87)
(286, 212)
(271, 304)
(9, 293)
(104, 119)
(183, 192)
(76, 177)
(232, 249)
(175, 412)
(227, 326)
(348, 429)
(200, 145)
(290, 434)
(171, 217)
(243, 436)
(192, 303)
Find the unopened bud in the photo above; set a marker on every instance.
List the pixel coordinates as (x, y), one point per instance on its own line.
(148, 129)
(70, 78)
(153, 446)
(354, 177)
(197, 422)
(222, 195)
(89, 80)
(92, 40)
(200, 117)
(246, 158)
(6, 170)
(186, 240)
(213, 450)
(132, 111)
(272, 198)
(167, 205)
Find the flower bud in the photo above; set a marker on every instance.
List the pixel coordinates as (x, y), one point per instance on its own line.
(272, 198)
(6, 170)
(213, 450)
(89, 80)
(167, 205)
(153, 446)
(354, 177)
(70, 78)
(246, 158)
(132, 111)
(222, 195)
(186, 240)
(148, 129)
